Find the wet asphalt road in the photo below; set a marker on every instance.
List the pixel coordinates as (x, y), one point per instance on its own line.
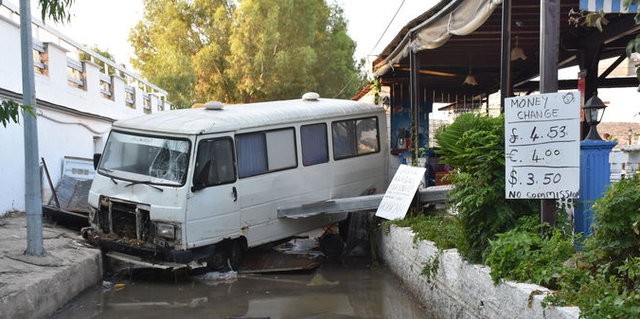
(345, 289)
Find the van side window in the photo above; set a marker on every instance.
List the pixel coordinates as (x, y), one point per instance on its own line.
(355, 137)
(214, 163)
(314, 144)
(263, 152)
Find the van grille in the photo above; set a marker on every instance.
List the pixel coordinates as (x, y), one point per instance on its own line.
(126, 220)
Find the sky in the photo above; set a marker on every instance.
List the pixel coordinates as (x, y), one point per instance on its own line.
(107, 23)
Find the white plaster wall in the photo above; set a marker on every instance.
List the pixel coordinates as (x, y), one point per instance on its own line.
(459, 289)
(59, 133)
(11, 168)
(63, 135)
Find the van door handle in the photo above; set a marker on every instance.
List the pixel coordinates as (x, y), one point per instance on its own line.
(235, 194)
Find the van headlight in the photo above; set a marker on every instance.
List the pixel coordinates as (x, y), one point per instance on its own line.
(166, 231)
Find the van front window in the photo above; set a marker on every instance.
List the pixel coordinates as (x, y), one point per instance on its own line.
(157, 160)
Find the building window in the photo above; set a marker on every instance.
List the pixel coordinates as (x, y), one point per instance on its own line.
(40, 58)
(106, 87)
(75, 73)
(130, 96)
(355, 137)
(314, 144)
(146, 103)
(264, 152)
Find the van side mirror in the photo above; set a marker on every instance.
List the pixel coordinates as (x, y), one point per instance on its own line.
(96, 160)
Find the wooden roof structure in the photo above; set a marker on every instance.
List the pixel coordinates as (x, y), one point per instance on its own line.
(442, 70)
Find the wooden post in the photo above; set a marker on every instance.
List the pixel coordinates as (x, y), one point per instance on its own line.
(505, 69)
(549, 46)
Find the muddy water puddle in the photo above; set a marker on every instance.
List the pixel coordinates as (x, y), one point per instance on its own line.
(334, 290)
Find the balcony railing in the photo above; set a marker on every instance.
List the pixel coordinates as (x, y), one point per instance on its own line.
(57, 57)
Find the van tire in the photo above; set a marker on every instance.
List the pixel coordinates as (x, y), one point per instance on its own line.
(332, 245)
(227, 255)
(217, 261)
(235, 253)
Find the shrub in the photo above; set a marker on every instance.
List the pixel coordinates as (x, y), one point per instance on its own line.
(604, 279)
(524, 254)
(443, 230)
(616, 234)
(474, 145)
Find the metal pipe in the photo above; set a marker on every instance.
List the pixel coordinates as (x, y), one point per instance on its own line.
(414, 94)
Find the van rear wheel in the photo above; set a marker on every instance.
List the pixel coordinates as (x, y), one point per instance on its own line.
(332, 245)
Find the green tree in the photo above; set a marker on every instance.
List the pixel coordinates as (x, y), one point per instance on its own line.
(164, 43)
(260, 50)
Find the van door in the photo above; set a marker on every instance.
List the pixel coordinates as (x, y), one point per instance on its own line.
(212, 209)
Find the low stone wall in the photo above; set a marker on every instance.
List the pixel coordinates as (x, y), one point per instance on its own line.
(459, 289)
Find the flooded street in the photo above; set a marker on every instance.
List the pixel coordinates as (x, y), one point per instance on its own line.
(334, 290)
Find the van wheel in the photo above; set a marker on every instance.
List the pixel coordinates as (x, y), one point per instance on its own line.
(236, 251)
(218, 260)
(332, 245)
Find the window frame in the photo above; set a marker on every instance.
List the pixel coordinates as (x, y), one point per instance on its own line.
(264, 139)
(356, 137)
(233, 159)
(326, 146)
(109, 172)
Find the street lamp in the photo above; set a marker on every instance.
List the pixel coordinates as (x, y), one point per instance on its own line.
(593, 112)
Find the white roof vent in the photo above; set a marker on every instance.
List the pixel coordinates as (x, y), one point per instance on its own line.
(310, 96)
(214, 105)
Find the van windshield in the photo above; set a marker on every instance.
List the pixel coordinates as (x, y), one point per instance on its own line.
(157, 160)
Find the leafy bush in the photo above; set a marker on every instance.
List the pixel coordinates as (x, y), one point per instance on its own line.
(597, 292)
(604, 279)
(616, 224)
(474, 145)
(443, 230)
(524, 254)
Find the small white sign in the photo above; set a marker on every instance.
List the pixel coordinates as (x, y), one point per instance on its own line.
(403, 187)
(542, 146)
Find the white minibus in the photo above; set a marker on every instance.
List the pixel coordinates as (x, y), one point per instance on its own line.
(205, 184)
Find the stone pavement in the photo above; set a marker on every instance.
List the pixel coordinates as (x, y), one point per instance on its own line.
(34, 287)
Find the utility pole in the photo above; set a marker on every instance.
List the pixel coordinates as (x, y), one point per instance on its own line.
(33, 194)
(549, 46)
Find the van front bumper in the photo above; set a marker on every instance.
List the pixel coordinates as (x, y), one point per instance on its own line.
(148, 251)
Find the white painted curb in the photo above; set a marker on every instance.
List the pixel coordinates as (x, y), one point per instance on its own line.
(459, 289)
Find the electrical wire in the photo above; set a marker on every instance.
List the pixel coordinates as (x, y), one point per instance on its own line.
(87, 127)
(387, 28)
(376, 45)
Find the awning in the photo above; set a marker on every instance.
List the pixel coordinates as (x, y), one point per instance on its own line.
(459, 17)
(608, 6)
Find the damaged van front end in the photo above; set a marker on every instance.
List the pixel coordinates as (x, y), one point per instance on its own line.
(137, 198)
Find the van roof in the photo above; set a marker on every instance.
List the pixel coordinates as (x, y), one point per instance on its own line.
(243, 116)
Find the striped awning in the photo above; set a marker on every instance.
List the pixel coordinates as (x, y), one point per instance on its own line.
(608, 6)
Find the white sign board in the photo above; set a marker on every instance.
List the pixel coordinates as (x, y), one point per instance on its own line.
(542, 146)
(403, 187)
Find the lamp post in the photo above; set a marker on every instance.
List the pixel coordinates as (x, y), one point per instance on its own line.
(593, 112)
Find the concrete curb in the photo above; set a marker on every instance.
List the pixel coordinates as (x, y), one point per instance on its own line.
(459, 289)
(34, 287)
